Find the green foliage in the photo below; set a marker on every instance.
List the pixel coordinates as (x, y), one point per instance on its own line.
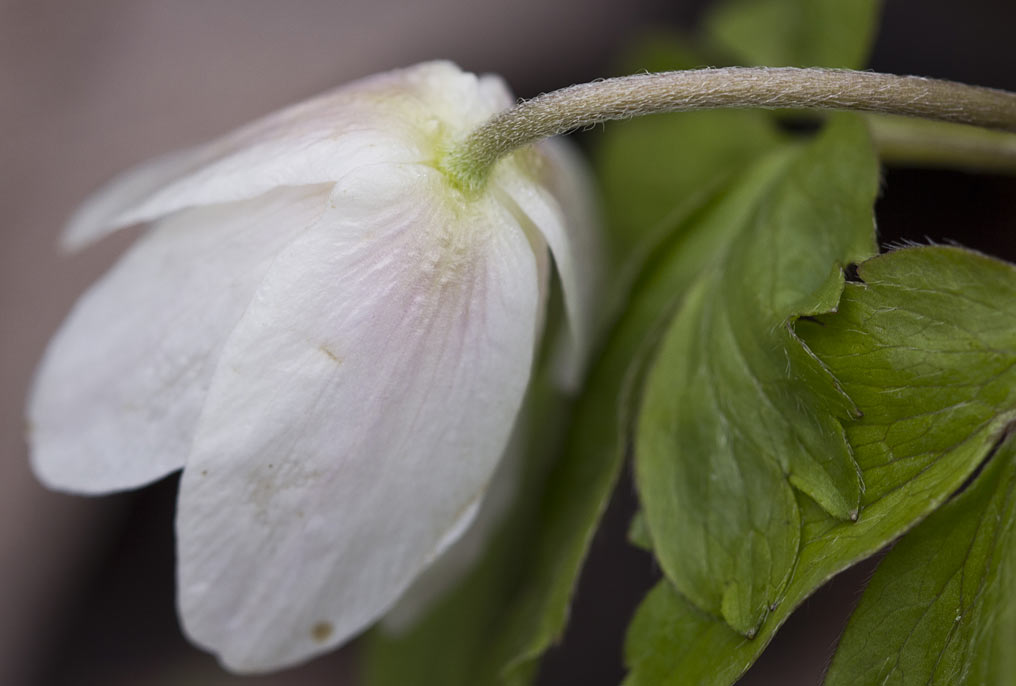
(942, 607)
(795, 33)
(638, 532)
(656, 165)
(653, 168)
(925, 347)
(580, 486)
(735, 411)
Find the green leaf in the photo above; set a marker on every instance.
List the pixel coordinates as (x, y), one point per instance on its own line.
(651, 169)
(925, 348)
(735, 410)
(941, 609)
(638, 532)
(795, 33)
(581, 485)
(650, 166)
(931, 607)
(671, 642)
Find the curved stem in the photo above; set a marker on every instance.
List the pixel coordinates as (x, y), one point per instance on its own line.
(733, 87)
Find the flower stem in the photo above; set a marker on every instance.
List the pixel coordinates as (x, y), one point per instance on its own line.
(588, 104)
(922, 143)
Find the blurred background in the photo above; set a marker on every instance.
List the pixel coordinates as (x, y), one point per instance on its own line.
(89, 88)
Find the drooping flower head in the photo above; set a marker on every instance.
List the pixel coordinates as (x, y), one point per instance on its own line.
(329, 336)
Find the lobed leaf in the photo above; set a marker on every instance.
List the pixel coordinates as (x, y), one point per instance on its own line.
(925, 347)
(735, 411)
(581, 484)
(937, 611)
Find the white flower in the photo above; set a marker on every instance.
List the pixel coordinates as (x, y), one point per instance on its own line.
(331, 340)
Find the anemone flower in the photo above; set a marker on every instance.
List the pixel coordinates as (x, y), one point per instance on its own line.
(328, 336)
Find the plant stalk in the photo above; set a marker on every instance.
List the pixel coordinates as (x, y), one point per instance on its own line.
(923, 143)
(625, 97)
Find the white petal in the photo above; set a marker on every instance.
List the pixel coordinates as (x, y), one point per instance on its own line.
(460, 557)
(399, 116)
(117, 398)
(562, 208)
(359, 411)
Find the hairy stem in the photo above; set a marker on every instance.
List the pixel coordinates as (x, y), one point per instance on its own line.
(733, 87)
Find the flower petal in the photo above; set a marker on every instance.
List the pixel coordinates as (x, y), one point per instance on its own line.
(116, 400)
(398, 116)
(358, 413)
(462, 555)
(562, 208)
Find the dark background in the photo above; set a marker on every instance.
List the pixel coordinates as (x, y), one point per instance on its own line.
(86, 89)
